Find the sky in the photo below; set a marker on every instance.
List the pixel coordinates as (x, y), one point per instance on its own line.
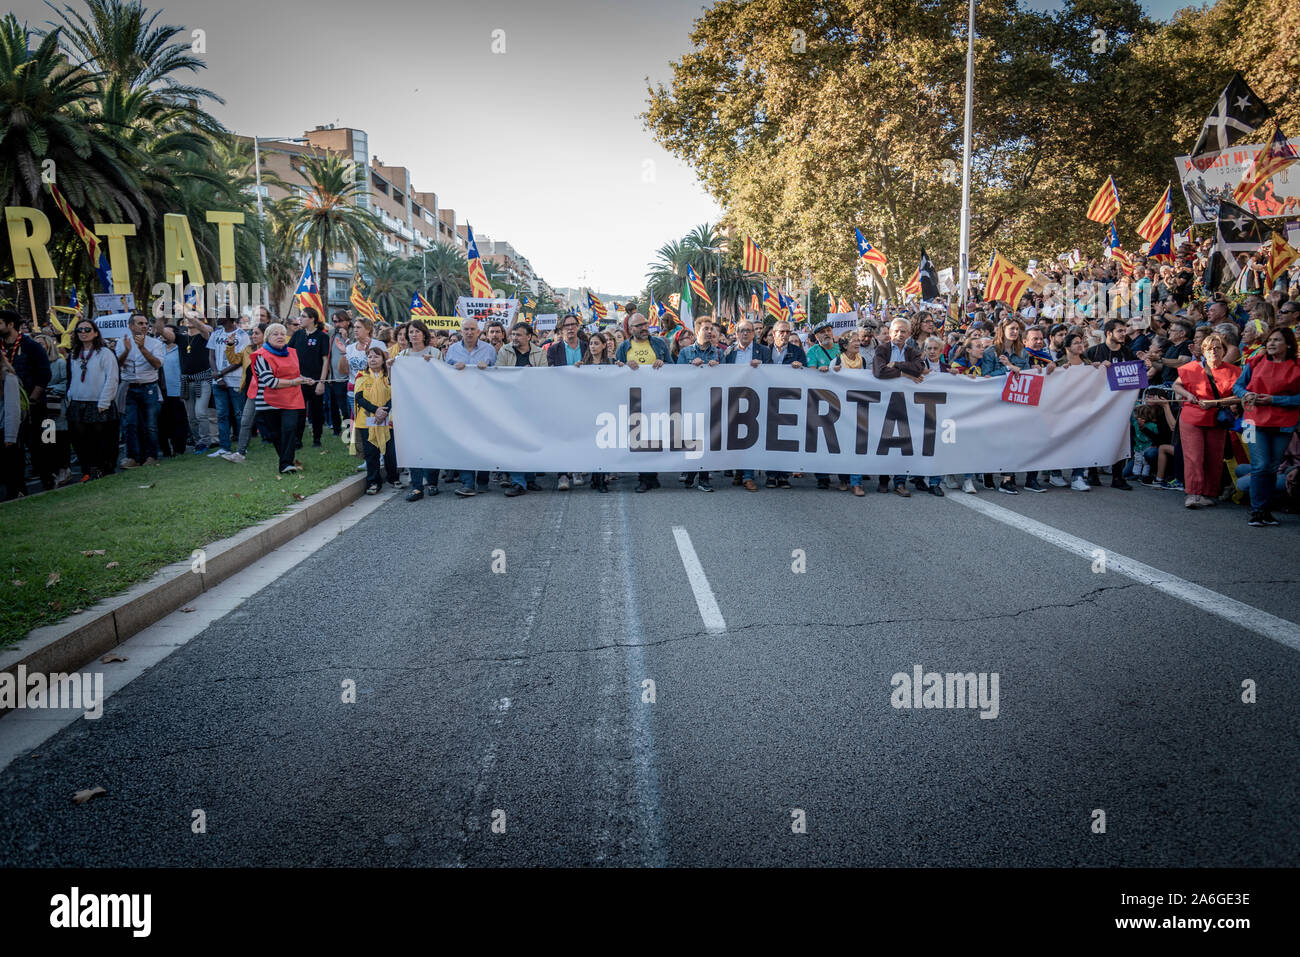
(539, 144)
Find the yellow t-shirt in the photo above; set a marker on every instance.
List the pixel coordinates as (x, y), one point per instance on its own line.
(641, 352)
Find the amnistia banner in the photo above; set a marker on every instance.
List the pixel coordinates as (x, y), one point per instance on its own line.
(614, 419)
(484, 310)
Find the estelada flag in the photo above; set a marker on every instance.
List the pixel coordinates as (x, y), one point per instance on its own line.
(844, 306)
(1162, 250)
(1267, 163)
(753, 302)
(870, 253)
(1007, 282)
(479, 287)
(360, 303)
(755, 259)
(913, 285)
(597, 307)
(1280, 255)
(307, 294)
(697, 285)
(1105, 205)
(772, 305)
(420, 307)
(1161, 215)
(93, 244)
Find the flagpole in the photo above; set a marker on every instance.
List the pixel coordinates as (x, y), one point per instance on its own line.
(963, 291)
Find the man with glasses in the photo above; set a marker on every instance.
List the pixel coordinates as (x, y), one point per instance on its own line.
(643, 349)
(704, 352)
(565, 351)
(747, 352)
(139, 359)
(786, 351)
(467, 351)
(1288, 314)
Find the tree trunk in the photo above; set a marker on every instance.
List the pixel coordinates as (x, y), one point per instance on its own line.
(323, 277)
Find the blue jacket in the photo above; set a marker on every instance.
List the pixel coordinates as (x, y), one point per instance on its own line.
(658, 345)
(793, 353)
(990, 365)
(761, 352)
(693, 352)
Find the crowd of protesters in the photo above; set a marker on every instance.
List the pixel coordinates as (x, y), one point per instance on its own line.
(1217, 421)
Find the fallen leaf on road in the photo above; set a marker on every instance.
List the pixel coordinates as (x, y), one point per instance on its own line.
(299, 496)
(187, 609)
(110, 658)
(279, 478)
(94, 551)
(150, 485)
(53, 579)
(81, 797)
(111, 565)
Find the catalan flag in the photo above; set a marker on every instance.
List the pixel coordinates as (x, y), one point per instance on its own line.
(754, 305)
(1105, 205)
(1162, 213)
(598, 310)
(92, 242)
(1280, 255)
(913, 285)
(360, 303)
(479, 287)
(844, 306)
(755, 259)
(1112, 239)
(1007, 282)
(307, 294)
(1162, 249)
(420, 307)
(1268, 162)
(772, 304)
(667, 317)
(697, 285)
(869, 252)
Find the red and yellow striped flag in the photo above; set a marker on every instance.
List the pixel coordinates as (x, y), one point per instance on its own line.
(1007, 282)
(913, 285)
(1280, 255)
(755, 259)
(1156, 220)
(479, 287)
(697, 284)
(360, 303)
(844, 306)
(1105, 205)
(1267, 163)
(91, 241)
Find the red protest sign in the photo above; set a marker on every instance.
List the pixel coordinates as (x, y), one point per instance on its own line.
(1022, 389)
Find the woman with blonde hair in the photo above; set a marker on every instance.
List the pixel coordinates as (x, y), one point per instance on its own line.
(276, 387)
(1008, 350)
(1206, 390)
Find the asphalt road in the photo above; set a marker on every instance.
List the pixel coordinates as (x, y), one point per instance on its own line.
(519, 696)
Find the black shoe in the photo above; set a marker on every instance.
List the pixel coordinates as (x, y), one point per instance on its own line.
(431, 490)
(824, 483)
(688, 481)
(1256, 520)
(783, 483)
(704, 486)
(414, 496)
(918, 483)
(1267, 517)
(1147, 481)
(936, 491)
(1121, 485)
(515, 490)
(1032, 485)
(315, 444)
(771, 483)
(988, 481)
(644, 487)
(533, 487)
(1009, 486)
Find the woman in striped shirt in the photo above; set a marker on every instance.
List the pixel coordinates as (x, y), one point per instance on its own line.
(276, 388)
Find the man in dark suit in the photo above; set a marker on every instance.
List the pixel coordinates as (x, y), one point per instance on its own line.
(898, 357)
(747, 351)
(565, 351)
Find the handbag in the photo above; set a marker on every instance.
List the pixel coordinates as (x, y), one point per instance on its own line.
(1224, 417)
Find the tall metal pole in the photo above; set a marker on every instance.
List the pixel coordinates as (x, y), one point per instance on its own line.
(717, 306)
(965, 161)
(261, 220)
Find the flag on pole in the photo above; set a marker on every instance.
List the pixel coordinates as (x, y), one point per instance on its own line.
(927, 277)
(363, 306)
(420, 307)
(1162, 213)
(1184, 237)
(754, 305)
(697, 285)
(93, 244)
(686, 307)
(1268, 162)
(1280, 255)
(755, 259)
(870, 253)
(913, 285)
(598, 308)
(1238, 114)
(479, 287)
(1162, 248)
(307, 294)
(1236, 232)
(1112, 241)
(666, 315)
(772, 305)
(1105, 205)
(1006, 282)
(843, 306)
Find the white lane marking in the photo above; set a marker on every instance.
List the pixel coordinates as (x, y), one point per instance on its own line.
(1239, 613)
(709, 610)
(23, 731)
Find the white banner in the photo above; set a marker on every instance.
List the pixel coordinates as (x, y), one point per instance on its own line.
(842, 322)
(1203, 190)
(114, 326)
(614, 419)
(484, 310)
(545, 322)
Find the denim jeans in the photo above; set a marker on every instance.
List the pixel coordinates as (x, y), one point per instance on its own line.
(522, 478)
(230, 410)
(141, 423)
(1265, 457)
(422, 477)
(467, 478)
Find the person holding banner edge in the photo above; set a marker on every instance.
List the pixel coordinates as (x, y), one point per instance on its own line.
(643, 349)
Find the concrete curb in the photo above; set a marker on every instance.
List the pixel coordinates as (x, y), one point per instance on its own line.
(71, 644)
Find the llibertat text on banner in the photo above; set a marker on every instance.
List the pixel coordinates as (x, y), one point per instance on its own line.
(607, 418)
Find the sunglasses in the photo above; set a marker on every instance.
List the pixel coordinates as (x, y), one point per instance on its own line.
(85, 329)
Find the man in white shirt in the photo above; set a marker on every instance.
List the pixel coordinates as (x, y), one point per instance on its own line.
(139, 358)
(224, 345)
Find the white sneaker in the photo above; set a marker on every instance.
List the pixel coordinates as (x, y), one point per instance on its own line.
(968, 487)
(1080, 485)
(1058, 481)
(563, 484)
(218, 454)
(233, 457)
(579, 478)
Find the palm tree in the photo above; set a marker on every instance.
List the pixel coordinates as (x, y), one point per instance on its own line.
(327, 217)
(699, 249)
(390, 285)
(447, 275)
